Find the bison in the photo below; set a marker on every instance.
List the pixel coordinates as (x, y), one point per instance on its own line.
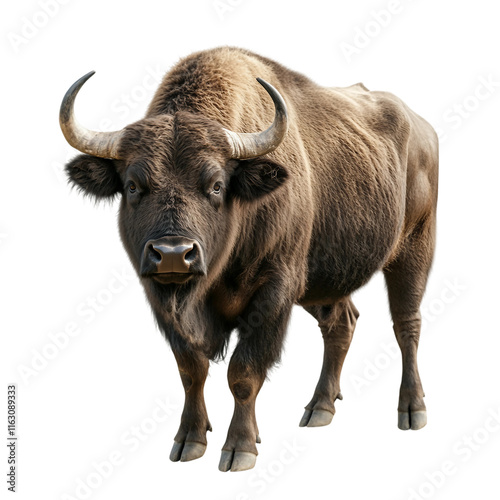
(228, 224)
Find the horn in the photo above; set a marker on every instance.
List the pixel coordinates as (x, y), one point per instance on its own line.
(101, 144)
(246, 146)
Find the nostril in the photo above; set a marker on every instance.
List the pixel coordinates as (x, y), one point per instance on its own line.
(191, 255)
(154, 255)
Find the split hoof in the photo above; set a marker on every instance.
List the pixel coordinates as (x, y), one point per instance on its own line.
(187, 451)
(236, 461)
(412, 420)
(316, 418)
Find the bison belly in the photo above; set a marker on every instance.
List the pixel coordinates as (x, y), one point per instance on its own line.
(349, 246)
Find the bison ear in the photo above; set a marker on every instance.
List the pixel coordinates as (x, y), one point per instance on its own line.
(94, 176)
(253, 179)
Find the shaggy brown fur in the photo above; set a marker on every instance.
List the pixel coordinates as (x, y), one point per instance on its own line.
(351, 190)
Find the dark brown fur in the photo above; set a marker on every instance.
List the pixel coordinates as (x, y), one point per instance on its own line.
(351, 190)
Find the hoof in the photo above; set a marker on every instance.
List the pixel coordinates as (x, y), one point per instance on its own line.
(412, 420)
(236, 461)
(316, 418)
(187, 451)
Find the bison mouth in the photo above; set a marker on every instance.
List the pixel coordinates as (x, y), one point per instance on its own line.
(171, 278)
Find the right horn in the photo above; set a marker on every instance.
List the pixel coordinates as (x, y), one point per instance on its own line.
(247, 146)
(101, 144)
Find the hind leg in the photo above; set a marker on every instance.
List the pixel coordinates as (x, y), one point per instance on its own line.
(406, 278)
(337, 324)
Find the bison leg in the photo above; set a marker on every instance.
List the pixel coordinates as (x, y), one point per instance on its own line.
(191, 441)
(337, 323)
(406, 278)
(257, 350)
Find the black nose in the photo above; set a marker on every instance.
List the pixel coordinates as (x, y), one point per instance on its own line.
(172, 254)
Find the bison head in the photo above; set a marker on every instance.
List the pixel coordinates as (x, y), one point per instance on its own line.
(181, 178)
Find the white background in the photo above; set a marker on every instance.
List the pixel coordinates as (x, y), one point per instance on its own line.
(59, 250)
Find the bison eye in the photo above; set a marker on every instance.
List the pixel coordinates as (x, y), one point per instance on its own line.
(132, 188)
(217, 188)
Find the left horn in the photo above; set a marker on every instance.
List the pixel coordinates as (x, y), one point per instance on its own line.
(101, 144)
(247, 146)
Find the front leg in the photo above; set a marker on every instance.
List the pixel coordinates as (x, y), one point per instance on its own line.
(190, 441)
(257, 350)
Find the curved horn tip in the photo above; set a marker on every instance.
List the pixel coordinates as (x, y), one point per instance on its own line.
(79, 83)
(71, 93)
(273, 92)
(87, 76)
(245, 146)
(100, 144)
